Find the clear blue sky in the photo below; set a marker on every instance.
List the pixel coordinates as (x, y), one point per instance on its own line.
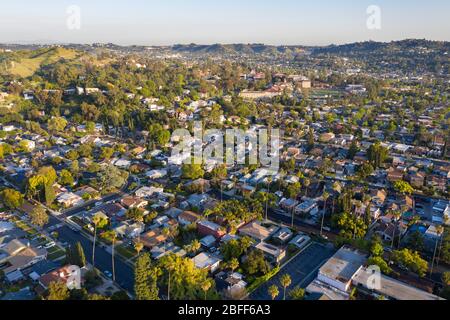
(162, 22)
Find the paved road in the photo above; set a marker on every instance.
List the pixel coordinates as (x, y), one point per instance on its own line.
(302, 269)
(103, 259)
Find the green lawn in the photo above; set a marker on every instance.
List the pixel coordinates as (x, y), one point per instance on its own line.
(126, 251)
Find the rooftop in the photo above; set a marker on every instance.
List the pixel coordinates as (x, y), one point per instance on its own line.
(344, 264)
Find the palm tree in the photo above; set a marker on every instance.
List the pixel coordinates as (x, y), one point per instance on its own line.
(233, 264)
(325, 197)
(273, 291)
(440, 231)
(206, 285)
(96, 221)
(114, 236)
(397, 214)
(138, 246)
(285, 281)
(306, 183)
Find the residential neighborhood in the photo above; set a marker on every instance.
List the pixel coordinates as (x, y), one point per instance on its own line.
(98, 203)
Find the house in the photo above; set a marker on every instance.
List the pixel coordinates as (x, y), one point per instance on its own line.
(208, 241)
(148, 192)
(272, 252)
(129, 230)
(387, 230)
(188, 218)
(417, 179)
(64, 274)
(283, 235)
(339, 271)
(133, 202)
(256, 231)
(394, 175)
(232, 282)
(207, 261)
(156, 174)
(198, 201)
(19, 256)
(300, 241)
(288, 204)
(113, 210)
(122, 163)
(69, 199)
(153, 238)
(167, 248)
(390, 288)
(206, 228)
(308, 207)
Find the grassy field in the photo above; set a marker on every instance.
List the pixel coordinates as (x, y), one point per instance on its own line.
(30, 62)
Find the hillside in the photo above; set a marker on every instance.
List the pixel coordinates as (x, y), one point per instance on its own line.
(236, 49)
(26, 63)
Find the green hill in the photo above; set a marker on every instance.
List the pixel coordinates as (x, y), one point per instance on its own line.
(26, 63)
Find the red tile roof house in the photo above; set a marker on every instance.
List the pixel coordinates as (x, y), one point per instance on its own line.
(208, 228)
(188, 217)
(63, 274)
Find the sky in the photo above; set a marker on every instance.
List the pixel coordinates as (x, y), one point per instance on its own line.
(167, 22)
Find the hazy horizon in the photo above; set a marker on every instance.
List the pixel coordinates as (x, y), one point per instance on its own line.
(169, 22)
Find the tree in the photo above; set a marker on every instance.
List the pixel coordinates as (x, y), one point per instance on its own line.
(146, 277)
(403, 187)
(381, 263)
(57, 124)
(353, 150)
(183, 279)
(376, 247)
(58, 291)
(256, 264)
(49, 194)
(66, 178)
(192, 171)
(297, 293)
(411, 260)
(377, 154)
(194, 246)
(72, 155)
(273, 291)
(11, 198)
(106, 153)
(206, 285)
(446, 278)
(285, 282)
(138, 246)
(365, 170)
(99, 222)
(268, 199)
(135, 214)
(39, 216)
(75, 255)
(310, 139)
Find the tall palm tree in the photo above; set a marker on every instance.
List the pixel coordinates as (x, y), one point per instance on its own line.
(285, 281)
(397, 214)
(96, 221)
(440, 231)
(273, 291)
(325, 197)
(138, 246)
(114, 236)
(206, 285)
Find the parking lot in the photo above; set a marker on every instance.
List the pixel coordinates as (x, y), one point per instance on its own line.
(302, 269)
